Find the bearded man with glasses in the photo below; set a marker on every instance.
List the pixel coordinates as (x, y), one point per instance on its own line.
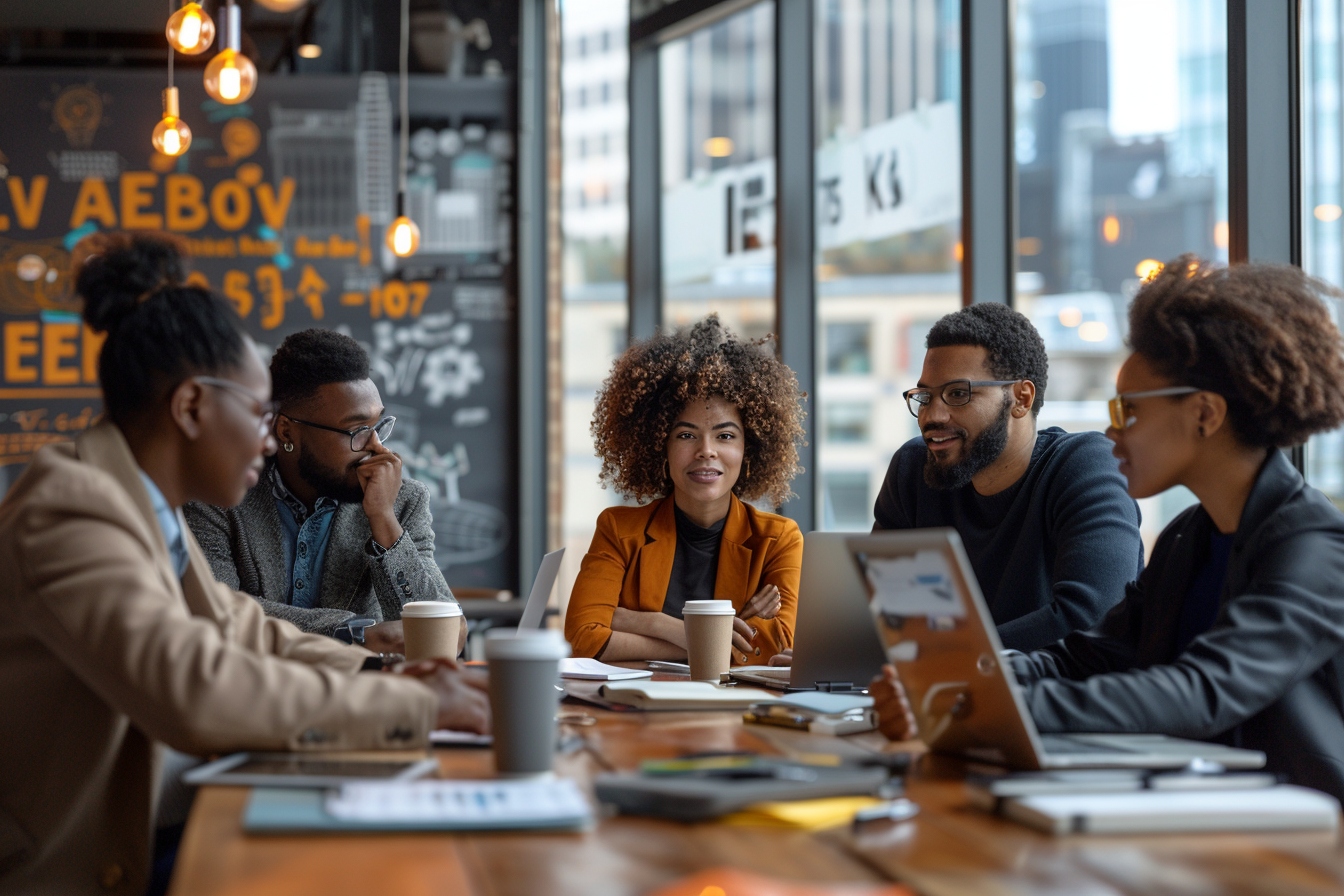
(1044, 516)
(332, 538)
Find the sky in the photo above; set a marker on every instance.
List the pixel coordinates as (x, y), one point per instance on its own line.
(1143, 66)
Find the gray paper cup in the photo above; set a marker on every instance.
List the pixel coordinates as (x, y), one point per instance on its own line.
(709, 637)
(524, 669)
(431, 628)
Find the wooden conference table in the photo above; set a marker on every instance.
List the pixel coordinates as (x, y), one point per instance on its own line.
(948, 849)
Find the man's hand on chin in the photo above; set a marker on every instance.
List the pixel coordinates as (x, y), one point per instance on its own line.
(380, 478)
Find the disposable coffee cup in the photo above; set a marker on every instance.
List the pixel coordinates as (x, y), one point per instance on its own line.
(524, 669)
(431, 628)
(709, 637)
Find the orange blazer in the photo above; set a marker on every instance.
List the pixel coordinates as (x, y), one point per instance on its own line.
(630, 564)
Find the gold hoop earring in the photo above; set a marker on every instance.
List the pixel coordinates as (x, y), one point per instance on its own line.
(667, 471)
(289, 447)
(746, 468)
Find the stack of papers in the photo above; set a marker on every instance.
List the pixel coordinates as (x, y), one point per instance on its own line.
(421, 806)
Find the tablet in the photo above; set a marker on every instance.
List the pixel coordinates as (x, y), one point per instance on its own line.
(304, 770)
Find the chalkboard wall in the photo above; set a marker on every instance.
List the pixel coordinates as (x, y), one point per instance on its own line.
(283, 201)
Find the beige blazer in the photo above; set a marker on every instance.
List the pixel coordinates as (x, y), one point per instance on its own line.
(105, 655)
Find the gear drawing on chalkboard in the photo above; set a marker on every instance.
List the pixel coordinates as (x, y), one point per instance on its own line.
(450, 372)
(431, 353)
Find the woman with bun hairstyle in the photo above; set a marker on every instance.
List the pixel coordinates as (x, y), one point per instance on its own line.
(1234, 632)
(692, 425)
(115, 640)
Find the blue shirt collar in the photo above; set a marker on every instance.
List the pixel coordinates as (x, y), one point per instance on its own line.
(170, 522)
(301, 513)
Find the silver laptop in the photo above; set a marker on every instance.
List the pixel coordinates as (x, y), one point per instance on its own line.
(835, 647)
(924, 604)
(534, 611)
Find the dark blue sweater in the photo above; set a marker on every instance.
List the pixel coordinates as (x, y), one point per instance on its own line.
(1053, 552)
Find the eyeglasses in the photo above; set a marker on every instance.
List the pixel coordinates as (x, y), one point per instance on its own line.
(1119, 404)
(360, 435)
(954, 393)
(264, 411)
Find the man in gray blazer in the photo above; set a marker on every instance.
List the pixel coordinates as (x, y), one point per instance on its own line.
(332, 538)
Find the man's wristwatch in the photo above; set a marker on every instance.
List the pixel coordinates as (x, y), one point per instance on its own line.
(352, 630)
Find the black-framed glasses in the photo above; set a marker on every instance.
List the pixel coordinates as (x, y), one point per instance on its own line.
(360, 435)
(955, 393)
(1119, 405)
(264, 411)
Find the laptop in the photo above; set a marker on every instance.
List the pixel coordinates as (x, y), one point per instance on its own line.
(924, 605)
(835, 647)
(534, 611)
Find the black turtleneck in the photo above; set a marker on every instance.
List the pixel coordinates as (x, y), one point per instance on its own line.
(696, 564)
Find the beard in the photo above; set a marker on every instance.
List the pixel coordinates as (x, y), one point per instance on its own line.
(328, 483)
(977, 454)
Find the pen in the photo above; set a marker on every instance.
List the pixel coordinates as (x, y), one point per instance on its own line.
(899, 809)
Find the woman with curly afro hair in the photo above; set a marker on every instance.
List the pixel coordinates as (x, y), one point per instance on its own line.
(692, 425)
(1234, 632)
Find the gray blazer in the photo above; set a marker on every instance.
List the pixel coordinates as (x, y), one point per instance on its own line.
(243, 545)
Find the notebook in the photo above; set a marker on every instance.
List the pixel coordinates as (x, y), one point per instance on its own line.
(554, 804)
(682, 695)
(586, 669)
(1282, 808)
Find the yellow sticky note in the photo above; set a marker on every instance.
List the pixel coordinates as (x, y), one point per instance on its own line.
(803, 815)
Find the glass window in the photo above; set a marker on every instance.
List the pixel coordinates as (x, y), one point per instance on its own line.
(717, 127)
(847, 505)
(1323, 195)
(595, 225)
(888, 181)
(848, 349)
(1121, 146)
(848, 422)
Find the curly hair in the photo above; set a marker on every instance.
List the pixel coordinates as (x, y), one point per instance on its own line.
(1259, 335)
(310, 359)
(653, 380)
(1015, 348)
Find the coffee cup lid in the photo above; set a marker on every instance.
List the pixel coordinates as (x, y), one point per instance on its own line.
(708, 608)
(430, 609)
(525, 644)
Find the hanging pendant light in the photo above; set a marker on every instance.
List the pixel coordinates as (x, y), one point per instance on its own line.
(190, 30)
(171, 135)
(403, 237)
(231, 77)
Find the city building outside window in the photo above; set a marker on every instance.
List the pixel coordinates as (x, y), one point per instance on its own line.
(1121, 146)
(717, 129)
(1323, 195)
(888, 195)
(594, 223)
